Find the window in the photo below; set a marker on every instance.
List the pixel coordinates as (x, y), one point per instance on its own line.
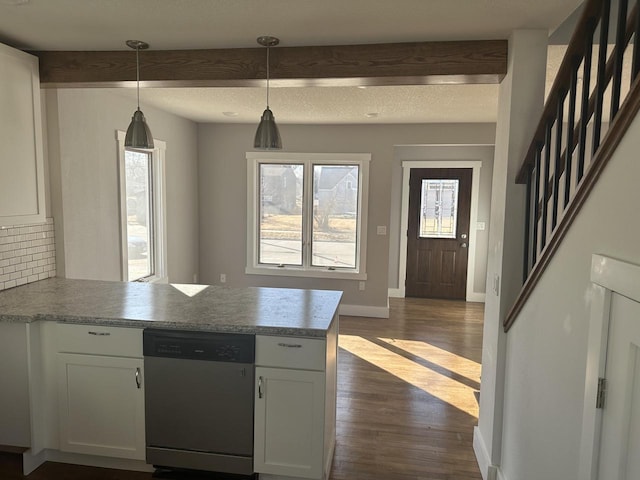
(438, 208)
(307, 214)
(142, 212)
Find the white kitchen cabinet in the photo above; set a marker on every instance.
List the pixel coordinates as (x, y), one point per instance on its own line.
(101, 397)
(22, 195)
(295, 406)
(289, 416)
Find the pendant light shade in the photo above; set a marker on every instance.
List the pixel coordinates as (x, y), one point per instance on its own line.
(138, 134)
(267, 135)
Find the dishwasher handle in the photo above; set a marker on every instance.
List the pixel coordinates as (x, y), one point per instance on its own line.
(260, 394)
(138, 381)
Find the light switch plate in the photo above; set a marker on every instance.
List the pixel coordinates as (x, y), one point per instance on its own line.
(382, 230)
(481, 226)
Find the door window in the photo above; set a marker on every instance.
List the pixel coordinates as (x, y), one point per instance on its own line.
(438, 208)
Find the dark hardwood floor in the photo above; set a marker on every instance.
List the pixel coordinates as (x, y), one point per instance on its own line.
(406, 404)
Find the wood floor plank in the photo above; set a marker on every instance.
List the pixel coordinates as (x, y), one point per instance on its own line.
(405, 406)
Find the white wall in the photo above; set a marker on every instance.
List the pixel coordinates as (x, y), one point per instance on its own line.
(547, 346)
(222, 188)
(83, 165)
(520, 103)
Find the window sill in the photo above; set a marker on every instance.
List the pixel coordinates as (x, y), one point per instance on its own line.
(152, 280)
(298, 272)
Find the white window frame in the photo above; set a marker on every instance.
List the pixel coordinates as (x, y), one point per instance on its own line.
(253, 267)
(159, 208)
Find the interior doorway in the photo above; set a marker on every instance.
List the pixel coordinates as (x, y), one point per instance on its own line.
(438, 232)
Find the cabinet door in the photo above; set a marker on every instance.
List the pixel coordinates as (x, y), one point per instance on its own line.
(101, 405)
(21, 154)
(289, 417)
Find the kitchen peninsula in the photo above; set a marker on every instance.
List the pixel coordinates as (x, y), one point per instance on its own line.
(72, 359)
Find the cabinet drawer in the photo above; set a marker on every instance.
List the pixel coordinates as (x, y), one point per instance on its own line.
(98, 340)
(290, 352)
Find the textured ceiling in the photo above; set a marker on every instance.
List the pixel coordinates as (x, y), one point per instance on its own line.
(181, 24)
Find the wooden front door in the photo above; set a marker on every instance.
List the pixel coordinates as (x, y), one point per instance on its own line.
(438, 233)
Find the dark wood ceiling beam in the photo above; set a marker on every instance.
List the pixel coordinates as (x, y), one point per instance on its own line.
(377, 64)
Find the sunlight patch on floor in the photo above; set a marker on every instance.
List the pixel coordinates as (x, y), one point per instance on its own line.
(457, 364)
(440, 386)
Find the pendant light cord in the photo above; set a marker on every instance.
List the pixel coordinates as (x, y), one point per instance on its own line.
(138, 74)
(267, 77)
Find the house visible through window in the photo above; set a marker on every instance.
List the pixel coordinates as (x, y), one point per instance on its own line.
(142, 212)
(308, 214)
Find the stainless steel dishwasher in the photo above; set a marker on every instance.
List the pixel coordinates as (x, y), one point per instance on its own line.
(199, 400)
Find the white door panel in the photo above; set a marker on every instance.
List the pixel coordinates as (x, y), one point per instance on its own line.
(620, 440)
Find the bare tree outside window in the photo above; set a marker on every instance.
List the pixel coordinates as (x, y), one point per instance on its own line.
(335, 207)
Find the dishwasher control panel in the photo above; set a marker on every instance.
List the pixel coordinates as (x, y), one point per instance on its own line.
(220, 347)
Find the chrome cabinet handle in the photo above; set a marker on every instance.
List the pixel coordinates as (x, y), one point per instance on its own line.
(290, 345)
(259, 387)
(100, 334)
(138, 382)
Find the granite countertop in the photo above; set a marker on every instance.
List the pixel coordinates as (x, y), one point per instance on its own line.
(267, 311)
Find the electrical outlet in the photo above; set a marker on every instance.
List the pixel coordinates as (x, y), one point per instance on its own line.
(481, 226)
(223, 278)
(381, 230)
(361, 286)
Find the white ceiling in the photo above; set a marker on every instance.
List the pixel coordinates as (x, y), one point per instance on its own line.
(185, 24)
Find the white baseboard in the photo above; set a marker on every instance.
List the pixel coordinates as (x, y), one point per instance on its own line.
(471, 297)
(96, 461)
(476, 297)
(364, 311)
(488, 471)
(31, 461)
(396, 292)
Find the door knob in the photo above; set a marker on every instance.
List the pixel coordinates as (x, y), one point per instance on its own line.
(463, 236)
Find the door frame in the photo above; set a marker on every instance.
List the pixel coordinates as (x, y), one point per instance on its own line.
(407, 166)
(608, 276)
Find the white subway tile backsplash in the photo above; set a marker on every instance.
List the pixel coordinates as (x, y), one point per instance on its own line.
(27, 254)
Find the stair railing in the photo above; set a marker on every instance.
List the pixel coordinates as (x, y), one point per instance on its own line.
(576, 135)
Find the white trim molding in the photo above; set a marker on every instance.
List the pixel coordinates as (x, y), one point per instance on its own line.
(488, 471)
(364, 311)
(31, 461)
(396, 293)
(407, 166)
(608, 276)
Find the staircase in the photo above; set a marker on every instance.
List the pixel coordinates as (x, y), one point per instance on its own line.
(592, 103)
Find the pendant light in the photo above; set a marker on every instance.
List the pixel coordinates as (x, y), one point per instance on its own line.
(138, 134)
(267, 135)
